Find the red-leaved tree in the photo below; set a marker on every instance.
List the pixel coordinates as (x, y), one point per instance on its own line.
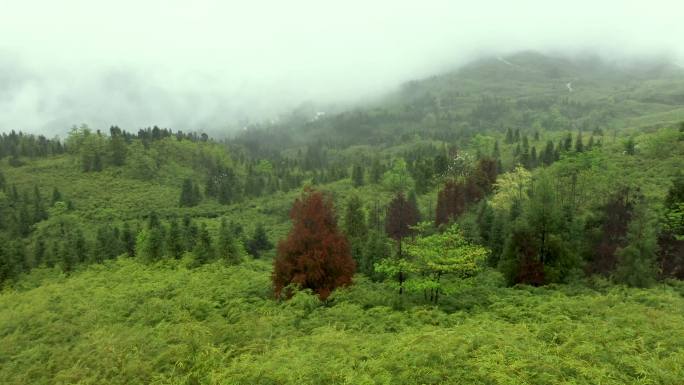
(315, 255)
(401, 215)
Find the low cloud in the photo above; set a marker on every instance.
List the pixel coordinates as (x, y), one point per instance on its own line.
(214, 65)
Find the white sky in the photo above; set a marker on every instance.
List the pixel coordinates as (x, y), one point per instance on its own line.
(203, 64)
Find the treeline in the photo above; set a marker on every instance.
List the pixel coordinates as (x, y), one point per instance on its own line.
(62, 242)
(533, 229)
(17, 144)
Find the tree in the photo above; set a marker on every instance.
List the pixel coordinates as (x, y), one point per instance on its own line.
(203, 251)
(398, 178)
(150, 241)
(189, 194)
(174, 241)
(376, 171)
(608, 229)
(228, 248)
(315, 255)
(377, 248)
(107, 244)
(39, 251)
(630, 146)
(259, 242)
(451, 202)
(128, 240)
(357, 176)
(509, 136)
(401, 216)
(590, 144)
(117, 146)
(541, 245)
(671, 237)
(446, 254)
(355, 227)
(39, 211)
(56, 196)
(637, 260)
(190, 231)
(579, 145)
(567, 142)
(511, 187)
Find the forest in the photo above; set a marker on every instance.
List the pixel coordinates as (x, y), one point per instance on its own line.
(489, 225)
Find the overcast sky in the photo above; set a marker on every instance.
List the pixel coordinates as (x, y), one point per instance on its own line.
(201, 64)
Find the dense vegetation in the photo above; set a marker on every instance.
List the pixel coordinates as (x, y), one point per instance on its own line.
(492, 225)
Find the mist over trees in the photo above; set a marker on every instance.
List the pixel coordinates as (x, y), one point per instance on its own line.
(535, 213)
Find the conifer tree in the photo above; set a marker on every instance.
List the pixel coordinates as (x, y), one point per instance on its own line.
(636, 264)
(401, 216)
(189, 194)
(355, 227)
(509, 136)
(203, 251)
(56, 196)
(579, 145)
(117, 146)
(259, 242)
(590, 144)
(39, 251)
(174, 240)
(228, 249)
(150, 241)
(376, 171)
(128, 240)
(190, 231)
(39, 211)
(357, 176)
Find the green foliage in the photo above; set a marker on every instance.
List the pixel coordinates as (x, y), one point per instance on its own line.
(356, 228)
(637, 260)
(73, 309)
(125, 322)
(433, 257)
(229, 249)
(150, 241)
(259, 242)
(398, 178)
(204, 249)
(190, 195)
(511, 188)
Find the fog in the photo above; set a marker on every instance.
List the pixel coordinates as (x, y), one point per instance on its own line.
(218, 65)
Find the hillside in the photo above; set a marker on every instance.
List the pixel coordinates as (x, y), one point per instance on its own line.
(127, 323)
(518, 220)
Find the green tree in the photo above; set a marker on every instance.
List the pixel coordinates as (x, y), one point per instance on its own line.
(579, 144)
(228, 248)
(39, 211)
(357, 176)
(355, 227)
(203, 251)
(117, 147)
(259, 242)
(637, 261)
(150, 241)
(398, 178)
(630, 146)
(56, 196)
(189, 194)
(174, 241)
(433, 257)
(128, 239)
